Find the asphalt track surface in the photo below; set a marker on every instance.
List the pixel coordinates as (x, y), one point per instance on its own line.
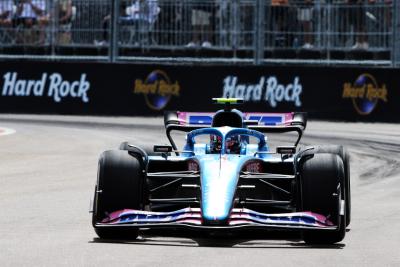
(48, 170)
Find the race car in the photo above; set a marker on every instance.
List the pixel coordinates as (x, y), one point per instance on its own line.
(225, 178)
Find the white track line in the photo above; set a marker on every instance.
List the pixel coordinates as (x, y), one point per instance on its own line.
(6, 131)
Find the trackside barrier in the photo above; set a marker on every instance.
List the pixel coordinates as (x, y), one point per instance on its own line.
(351, 94)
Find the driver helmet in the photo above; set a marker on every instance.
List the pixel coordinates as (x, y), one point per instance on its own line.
(233, 144)
(215, 143)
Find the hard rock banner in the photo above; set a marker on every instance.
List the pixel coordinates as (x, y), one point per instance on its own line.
(333, 93)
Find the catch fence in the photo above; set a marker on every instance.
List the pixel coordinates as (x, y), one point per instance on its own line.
(241, 31)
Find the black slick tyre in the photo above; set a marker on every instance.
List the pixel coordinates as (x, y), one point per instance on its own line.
(346, 189)
(321, 174)
(119, 186)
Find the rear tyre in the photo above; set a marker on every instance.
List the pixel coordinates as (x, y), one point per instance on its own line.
(320, 176)
(119, 186)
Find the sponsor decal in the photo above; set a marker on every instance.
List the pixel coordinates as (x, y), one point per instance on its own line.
(268, 89)
(254, 167)
(49, 85)
(365, 93)
(157, 89)
(193, 166)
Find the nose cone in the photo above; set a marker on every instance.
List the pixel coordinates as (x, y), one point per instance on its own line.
(219, 177)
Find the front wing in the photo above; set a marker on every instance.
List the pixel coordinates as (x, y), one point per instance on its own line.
(239, 218)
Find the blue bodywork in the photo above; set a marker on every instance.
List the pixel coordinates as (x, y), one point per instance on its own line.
(219, 173)
(219, 177)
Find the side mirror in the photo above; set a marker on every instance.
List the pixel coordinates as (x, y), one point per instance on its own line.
(162, 149)
(286, 150)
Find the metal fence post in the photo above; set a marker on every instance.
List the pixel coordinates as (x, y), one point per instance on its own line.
(235, 16)
(259, 32)
(396, 35)
(329, 32)
(53, 24)
(113, 46)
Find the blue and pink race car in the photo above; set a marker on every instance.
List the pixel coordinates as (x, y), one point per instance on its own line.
(225, 178)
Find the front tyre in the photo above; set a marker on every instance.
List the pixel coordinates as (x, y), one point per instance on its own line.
(321, 174)
(119, 186)
(346, 189)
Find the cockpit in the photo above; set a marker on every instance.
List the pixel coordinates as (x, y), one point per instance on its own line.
(225, 140)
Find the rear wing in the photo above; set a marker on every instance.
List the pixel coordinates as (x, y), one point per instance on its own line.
(262, 122)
